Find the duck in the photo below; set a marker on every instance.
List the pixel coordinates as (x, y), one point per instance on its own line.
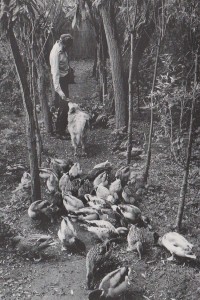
(75, 185)
(44, 173)
(98, 206)
(102, 178)
(66, 233)
(105, 164)
(101, 224)
(71, 203)
(112, 199)
(68, 237)
(85, 213)
(105, 233)
(52, 179)
(177, 245)
(57, 204)
(115, 187)
(60, 166)
(123, 174)
(95, 172)
(75, 171)
(26, 178)
(65, 184)
(133, 215)
(94, 200)
(25, 182)
(52, 183)
(113, 285)
(139, 239)
(86, 187)
(40, 209)
(102, 192)
(32, 245)
(97, 257)
(127, 195)
(108, 214)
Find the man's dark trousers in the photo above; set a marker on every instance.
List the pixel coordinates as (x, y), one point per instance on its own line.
(62, 118)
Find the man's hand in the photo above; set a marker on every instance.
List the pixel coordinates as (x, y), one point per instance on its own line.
(65, 98)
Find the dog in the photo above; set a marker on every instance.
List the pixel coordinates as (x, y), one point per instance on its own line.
(78, 123)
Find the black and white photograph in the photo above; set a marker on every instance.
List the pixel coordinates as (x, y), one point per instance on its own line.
(100, 149)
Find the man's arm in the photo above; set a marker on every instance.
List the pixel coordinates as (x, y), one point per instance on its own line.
(56, 74)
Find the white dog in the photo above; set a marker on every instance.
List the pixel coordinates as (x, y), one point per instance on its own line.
(78, 123)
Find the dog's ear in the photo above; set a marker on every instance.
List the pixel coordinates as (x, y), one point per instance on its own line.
(72, 110)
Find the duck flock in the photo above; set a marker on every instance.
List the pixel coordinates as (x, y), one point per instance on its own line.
(102, 204)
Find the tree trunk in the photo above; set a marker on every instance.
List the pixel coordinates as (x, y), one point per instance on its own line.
(32, 89)
(103, 66)
(138, 92)
(130, 101)
(102, 71)
(107, 13)
(94, 69)
(52, 97)
(33, 159)
(189, 150)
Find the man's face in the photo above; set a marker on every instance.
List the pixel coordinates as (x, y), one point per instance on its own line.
(67, 44)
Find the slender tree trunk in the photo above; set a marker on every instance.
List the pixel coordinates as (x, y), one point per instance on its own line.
(103, 61)
(107, 13)
(130, 101)
(146, 173)
(138, 92)
(99, 71)
(130, 81)
(183, 190)
(94, 69)
(32, 149)
(32, 83)
(102, 65)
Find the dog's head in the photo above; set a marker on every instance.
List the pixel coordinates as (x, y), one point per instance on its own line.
(73, 107)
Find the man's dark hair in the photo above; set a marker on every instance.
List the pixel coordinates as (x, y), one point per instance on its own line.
(66, 37)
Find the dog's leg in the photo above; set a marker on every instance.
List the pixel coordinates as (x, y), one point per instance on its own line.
(83, 150)
(74, 144)
(83, 140)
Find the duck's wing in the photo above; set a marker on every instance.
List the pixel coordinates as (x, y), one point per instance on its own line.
(115, 282)
(102, 224)
(179, 251)
(44, 205)
(39, 237)
(118, 290)
(101, 233)
(61, 235)
(178, 240)
(77, 203)
(70, 228)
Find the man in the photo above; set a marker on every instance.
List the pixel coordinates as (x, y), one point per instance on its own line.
(59, 62)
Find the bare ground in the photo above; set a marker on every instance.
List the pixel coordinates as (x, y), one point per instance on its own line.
(62, 276)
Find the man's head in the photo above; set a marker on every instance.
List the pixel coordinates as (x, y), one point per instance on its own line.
(66, 40)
